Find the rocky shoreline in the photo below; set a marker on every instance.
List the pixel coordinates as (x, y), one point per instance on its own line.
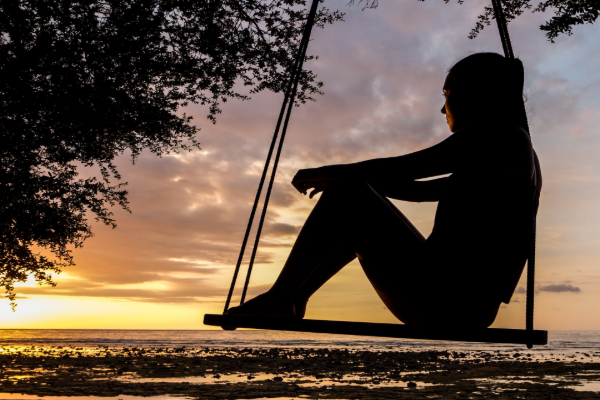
(238, 373)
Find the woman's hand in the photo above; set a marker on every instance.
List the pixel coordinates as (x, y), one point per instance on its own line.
(312, 178)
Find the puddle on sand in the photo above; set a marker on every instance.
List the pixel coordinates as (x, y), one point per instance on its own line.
(580, 385)
(572, 383)
(360, 380)
(209, 379)
(509, 379)
(14, 396)
(8, 396)
(300, 380)
(17, 377)
(586, 386)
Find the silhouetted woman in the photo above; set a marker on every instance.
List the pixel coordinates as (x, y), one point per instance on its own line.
(473, 259)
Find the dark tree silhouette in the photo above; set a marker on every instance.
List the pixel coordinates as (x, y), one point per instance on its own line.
(567, 14)
(84, 81)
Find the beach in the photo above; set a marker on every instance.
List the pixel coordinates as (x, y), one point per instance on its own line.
(247, 364)
(287, 372)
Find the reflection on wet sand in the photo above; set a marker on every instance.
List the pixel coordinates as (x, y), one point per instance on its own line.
(255, 373)
(297, 379)
(18, 396)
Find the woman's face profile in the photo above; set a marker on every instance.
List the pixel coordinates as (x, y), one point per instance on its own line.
(455, 117)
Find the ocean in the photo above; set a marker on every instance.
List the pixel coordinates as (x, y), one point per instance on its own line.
(560, 342)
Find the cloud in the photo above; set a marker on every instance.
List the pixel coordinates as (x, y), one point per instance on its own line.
(280, 229)
(563, 287)
(558, 288)
(173, 290)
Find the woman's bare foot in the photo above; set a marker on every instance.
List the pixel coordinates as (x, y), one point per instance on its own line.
(299, 308)
(265, 305)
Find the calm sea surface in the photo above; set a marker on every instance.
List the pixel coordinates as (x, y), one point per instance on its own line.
(561, 342)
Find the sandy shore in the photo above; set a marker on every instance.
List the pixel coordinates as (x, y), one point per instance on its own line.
(297, 373)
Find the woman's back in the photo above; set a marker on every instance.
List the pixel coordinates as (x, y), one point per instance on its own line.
(483, 220)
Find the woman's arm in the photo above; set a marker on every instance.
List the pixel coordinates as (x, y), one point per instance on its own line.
(436, 160)
(432, 161)
(476, 148)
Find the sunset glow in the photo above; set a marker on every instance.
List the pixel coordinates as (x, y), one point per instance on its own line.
(171, 260)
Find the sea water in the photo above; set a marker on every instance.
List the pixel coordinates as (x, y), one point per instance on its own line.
(560, 342)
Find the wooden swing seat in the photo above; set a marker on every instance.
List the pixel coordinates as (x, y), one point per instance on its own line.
(491, 335)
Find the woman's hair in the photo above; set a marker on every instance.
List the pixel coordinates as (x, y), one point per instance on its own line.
(491, 86)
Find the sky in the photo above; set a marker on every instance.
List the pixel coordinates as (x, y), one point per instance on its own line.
(171, 260)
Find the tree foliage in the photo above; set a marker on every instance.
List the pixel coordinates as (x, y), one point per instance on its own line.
(84, 81)
(567, 14)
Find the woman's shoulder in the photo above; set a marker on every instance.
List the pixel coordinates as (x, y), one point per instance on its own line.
(498, 139)
(500, 146)
(496, 133)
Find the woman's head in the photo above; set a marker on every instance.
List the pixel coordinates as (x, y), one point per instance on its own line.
(484, 87)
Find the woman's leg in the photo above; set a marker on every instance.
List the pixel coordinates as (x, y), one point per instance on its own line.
(322, 274)
(349, 217)
(333, 265)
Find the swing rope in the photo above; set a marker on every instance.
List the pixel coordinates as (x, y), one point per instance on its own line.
(503, 29)
(288, 102)
(508, 53)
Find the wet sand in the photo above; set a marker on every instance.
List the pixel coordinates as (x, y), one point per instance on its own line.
(237, 373)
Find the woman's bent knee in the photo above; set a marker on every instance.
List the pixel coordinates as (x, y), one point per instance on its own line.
(349, 190)
(345, 186)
